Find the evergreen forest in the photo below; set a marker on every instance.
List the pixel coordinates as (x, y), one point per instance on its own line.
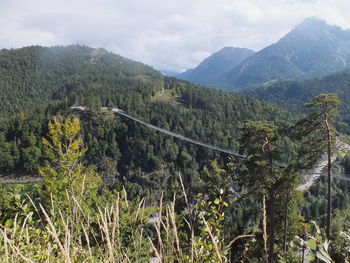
(93, 186)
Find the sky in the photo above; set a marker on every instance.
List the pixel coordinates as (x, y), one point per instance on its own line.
(171, 35)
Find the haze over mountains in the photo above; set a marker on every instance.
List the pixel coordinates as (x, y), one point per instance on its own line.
(311, 49)
(216, 64)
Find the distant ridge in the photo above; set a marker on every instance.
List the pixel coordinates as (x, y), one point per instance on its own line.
(292, 94)
(311, 49)
(215, 65)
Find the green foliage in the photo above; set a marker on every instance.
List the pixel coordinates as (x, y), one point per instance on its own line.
(217, 179)
(117, 148)
(340, 235)
(33, 76)
(64, 176)
(142, 160)
(319, 137)
(289, 257)
(321, 244)
(211, 238)
(313, 130)
(259, 169)
(313, 207)
(293, 94)
(12, 203)
(111, 233)
(7, 162)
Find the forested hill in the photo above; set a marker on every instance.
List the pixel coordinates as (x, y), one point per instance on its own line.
(138, 156)
(33, 76)
(293, 94)
(132, 156)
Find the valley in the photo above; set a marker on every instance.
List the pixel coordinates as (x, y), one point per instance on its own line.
(154, 167)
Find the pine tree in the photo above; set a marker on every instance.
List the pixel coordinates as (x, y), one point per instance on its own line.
(260, 172)
(318, 138)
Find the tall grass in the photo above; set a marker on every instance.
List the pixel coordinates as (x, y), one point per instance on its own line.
(118, 231)
(113, 234)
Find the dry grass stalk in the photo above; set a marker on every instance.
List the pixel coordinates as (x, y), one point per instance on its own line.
(4, 234)
(52, 231)
(174, 227)
(24, 225)
(189, 223)
(215, 243)
(115, 219)
(265, 238)
(67, 233)
(238, 238)
(14, 226)
(103, 225)
(159, 223)
(86, 239)
(194, 253)
(16, 251)
(155, 250)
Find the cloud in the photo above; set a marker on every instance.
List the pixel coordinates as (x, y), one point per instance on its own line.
(170, 35)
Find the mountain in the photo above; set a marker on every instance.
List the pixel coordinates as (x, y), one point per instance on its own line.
(215, 65)
(169, 73)
(293, 94)
(312, 49)
(37, 83)
(144, 167)
(31, 77)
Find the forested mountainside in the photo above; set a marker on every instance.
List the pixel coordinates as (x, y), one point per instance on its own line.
(223, 198)
(94, 78)
(311, 49)
(293, 94)
(33, 76)
(215, 65)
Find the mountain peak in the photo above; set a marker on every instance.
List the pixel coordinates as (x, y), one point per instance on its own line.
(216, 64)
(316, 26)
(311, 23)
(312, 49)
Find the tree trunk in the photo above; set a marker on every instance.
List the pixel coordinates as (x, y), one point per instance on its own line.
(271, 227)
(303, 255)
(285, 230)
(329, 197)
(265, 238)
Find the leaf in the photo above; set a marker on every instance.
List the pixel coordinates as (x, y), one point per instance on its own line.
(326, 245)
(324, 256)
(311, 243)
(318, 231)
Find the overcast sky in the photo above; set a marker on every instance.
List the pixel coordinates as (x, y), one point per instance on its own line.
(166, 34)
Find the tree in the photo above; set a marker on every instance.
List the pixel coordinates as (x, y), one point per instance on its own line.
(31, 154)
(64, 175)
(319, 137)
(260, 173)
(7, 161)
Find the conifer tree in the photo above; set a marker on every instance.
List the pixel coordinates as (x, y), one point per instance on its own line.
(64, 175)
(318, 137)
(260, 172)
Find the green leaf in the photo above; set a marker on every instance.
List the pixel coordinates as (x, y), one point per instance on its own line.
(311, 243)
(322, 255)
